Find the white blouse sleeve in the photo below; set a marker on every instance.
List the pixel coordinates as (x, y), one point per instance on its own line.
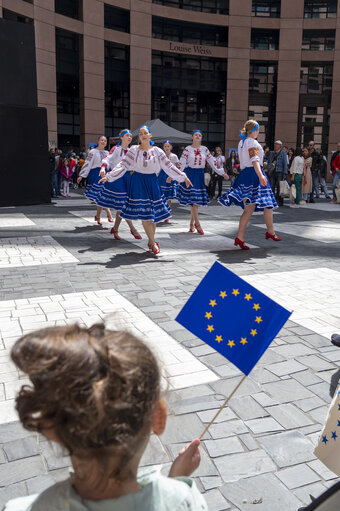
(110, 160)
(124, 165)
(252, 149)
(88, 165)
(183, 161)
(211, 160)
(293, 165)
(168, 167)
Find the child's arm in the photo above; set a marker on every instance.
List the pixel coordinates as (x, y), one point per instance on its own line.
(188, 459)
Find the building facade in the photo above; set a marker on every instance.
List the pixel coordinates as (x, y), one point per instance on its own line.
(103, 65)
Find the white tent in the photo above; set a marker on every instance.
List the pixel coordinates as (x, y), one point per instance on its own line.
(161, 132)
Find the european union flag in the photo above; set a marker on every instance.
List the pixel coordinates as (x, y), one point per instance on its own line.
(232, 317)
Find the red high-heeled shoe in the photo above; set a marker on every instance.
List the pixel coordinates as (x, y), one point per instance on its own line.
(167, 220)
(97, 219)
(192, 228)
(136, 234)
(273, 237)
(199, 229)
(155, 248)
(110, 219)
(115, 233)
(241, 244)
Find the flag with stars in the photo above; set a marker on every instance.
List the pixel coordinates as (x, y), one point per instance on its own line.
(232, 317)
(328, 447)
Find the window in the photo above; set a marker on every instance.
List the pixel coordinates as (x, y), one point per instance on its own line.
(192, 33)
(264, 39)
(268, 9)
(261, 114)
(70, 8)
(214, 6)
(314, 122)
(117, 88)
(116, 18)
(190, 92)
(319, 40)
(67, 66)
(262, 77)
(316, 78)
(13, 16)
(320, 9)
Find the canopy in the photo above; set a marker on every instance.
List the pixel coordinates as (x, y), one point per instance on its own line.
(161, 132)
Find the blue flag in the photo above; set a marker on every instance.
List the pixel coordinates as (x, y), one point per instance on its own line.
(232, 317)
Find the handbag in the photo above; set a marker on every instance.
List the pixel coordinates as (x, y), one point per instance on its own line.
(272, 166)
(284, 189)
(292, 192)
(207, 178)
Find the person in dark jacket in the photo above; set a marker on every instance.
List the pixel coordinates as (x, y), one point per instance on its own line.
(277, 169)
(323, 175)
(316, 159)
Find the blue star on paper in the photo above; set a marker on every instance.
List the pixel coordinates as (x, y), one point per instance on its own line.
(338, 408)
(324, 439)
(334, 435)
(338, 424)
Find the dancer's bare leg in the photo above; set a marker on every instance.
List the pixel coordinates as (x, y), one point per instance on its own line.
(268, 218)
(99, 211)
(117, 222)
(108, 212)
(245, 217)
(132, 227)
(150, 229)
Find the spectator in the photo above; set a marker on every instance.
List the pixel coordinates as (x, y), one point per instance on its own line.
(285, 150)
(335, 170)
(291, 156)
(323, 175)
(315, 170)
(220, 163)
(297, 170)
(230, 165)
(67, 173)
(277, 169)
(307, 183)
(54, 185)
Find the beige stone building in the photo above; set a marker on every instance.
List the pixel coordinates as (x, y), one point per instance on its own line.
(103, 65)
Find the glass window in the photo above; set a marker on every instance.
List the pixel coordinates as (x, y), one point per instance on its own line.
(70, 8)
(116, 18)
(117, 88)
(316, 78)
(264, 39)
(190, 92)
(262, 77)
(318, 40)
(314, 123)
(67, 67)
(192, 33)
(267, 9)
(213, 6)
(320, 8)
(13, 16)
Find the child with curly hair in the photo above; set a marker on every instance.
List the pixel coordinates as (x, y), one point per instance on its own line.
(97, 393)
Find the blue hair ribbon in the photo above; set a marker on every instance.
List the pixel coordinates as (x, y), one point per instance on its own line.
(125, 132)
(196, 131)
(147, 128)
(244, 136)
(167, 142)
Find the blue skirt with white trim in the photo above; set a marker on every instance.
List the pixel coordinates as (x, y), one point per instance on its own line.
(145, 200)
(93, 188)
(169, 190)
(196, 194)
(114, 195)
(247, 187)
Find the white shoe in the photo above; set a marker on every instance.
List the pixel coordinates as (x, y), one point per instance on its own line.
(294, 205)
(302, 202)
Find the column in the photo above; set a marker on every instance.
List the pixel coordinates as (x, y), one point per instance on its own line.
(140, 62)
(92, 80)
(288, 78)
(334, 129)
(238, 69)
(46, 62)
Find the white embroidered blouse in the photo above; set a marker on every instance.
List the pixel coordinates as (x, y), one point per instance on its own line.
(116, 155)
(250, 152)
(196, 158)
(93, 161)
(146, 162)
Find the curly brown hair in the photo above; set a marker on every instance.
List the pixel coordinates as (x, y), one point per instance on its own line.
(94, 388)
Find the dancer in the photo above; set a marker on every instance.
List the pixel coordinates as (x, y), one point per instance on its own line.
(91, 169)
(145, 201)
(193, 161)
(251, 190)
(168, 186)
(114, 195)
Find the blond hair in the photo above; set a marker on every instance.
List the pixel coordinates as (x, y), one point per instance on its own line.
(248, 126)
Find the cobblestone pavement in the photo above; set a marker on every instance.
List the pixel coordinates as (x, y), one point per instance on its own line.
(56, 267)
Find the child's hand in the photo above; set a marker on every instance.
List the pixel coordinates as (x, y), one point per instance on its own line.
(188, 459)
(168, 179)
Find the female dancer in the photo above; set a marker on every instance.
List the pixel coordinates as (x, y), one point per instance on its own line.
(145, 201)
(91, 169)
(250, 189)
(114, 195)
(193, 162)
(168, 186)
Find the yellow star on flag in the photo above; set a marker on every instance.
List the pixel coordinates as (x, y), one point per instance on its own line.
(248, 297)
(210, 328)
(256, 306)
(258, 319)
(212, 303)
(235, 292)
(208, 315)
(219, 338)
(243, 340)
(253, 332)
(223, 294)
(231, 343)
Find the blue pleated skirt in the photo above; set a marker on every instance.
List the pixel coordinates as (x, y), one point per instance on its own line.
(169, 190)
(196, 194)
(93, 188)
(113, 195)
(145, 200)
(247, 186)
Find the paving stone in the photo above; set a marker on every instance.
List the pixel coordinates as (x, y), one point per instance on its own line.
(223, 446)
(12, 491)
(263, 425)
(309, 404)
(300, 475)
(194, 404)
(263, 493)
(226, 415)
(239, 466)
(310, 492)
(322, 470)
(284, 368)
(247, 408)
(282, 391)
(227, 429)
(316, 363)
(2, 456)
(54, 456)
(315, 340)
(17, 471)
(216, 501)
(289, 416)
(322, 390)
(225, 387)
(306, 378)
(183, 428)
(263, 399)
(12, 431)
(209, 482)
(293, 350)
(249, 442)
(206, 466)
(261, 375)
(21, 448)
(154, 453)
(288, 448)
